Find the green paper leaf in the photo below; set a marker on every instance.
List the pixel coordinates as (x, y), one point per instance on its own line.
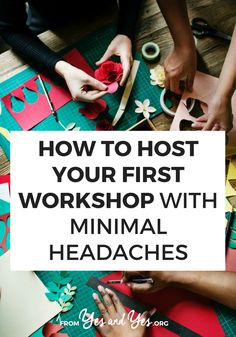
(70, 126)
(73, 288)
(52, 287)
(56, 278)
(65, 309)
(65, 298)
(66, 280)
(52, 297)
(76, 129)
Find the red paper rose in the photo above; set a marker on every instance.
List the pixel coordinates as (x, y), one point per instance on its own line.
(93, 110)
(109, 72)
(104, 125)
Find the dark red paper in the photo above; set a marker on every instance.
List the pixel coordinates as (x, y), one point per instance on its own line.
(51, 330)
(186, 308)
(34, 113)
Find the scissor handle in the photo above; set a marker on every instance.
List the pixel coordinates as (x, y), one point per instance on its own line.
(201, 27)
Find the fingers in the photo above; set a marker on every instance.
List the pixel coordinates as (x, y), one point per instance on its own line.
(108, 303)
(108, 54)
(95, 84)
(101, 306)
(140, 288)
(189, 81)
(126, 65)
(91, 96)
(116, 301)
(175, 85)
(148, 314)
(198, 126)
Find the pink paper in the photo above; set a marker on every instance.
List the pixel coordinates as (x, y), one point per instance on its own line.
(112, 88)
(5, 179)
(51, 330)
(190, 310)
(34, 113)
(204, 88)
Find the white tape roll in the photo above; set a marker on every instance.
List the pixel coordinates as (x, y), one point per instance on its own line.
(150, 51)
(167, 110)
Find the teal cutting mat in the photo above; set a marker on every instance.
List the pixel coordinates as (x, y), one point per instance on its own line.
(92, 48)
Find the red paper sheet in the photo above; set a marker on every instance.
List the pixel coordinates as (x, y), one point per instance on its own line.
(34, 113)
(5, 179)
(188, 309)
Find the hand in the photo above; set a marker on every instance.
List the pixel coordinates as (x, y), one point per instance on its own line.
(180, 65)
(161, 280)
(113, 311)
(81, 86)
(120, 46)
(219, 116)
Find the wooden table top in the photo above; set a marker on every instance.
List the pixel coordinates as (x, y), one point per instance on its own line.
(151, 27)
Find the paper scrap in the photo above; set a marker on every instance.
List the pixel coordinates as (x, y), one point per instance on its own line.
(24, 307)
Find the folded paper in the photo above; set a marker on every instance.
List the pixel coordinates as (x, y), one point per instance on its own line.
(24, 308)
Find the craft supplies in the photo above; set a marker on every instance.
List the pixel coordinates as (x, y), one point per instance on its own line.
(145, 108)
(169, 111)
(158, 76)
(150, 51)
(148, 280)
(201, 28)
(127, 92)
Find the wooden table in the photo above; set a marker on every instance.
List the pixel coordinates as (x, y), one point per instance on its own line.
(151, 26)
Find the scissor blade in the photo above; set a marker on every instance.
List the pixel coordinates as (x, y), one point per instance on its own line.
(223, 36)
(127, 92)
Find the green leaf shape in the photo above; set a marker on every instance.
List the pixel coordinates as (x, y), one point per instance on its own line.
(65, 298)
(67, 308)
(52, 287)
(73, 288)
(52, 297)
(66, 280)
(64, 274)
(56, 278)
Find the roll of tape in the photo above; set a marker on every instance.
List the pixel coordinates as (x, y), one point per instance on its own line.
(167, 110)
(150, 51)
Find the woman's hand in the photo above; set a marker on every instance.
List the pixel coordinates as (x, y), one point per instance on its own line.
(81, 86)
(219, 116)
(113, 311)
(120, 46)
(180, 65)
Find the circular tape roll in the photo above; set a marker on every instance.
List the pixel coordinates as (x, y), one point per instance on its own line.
(167, 110)
(154, 48)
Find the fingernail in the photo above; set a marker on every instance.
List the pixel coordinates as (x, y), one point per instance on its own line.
(101, 290)
(95, 296)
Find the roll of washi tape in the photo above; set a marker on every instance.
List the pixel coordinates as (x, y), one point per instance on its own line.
(150, 51)
(167, 110)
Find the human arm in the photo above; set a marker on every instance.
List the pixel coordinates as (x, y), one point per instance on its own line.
(218, 286)
(219, 115)
(27, 45)
(121, 45)
(181, 63)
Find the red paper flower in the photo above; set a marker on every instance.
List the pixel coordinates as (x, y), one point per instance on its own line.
(109, 72)
(93, 110)
(104, 125)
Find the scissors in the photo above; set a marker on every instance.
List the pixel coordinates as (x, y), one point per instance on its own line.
(201, 28)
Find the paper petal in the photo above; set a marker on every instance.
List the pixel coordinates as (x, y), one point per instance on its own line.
(112, 87)
(146, 114)
(146, 103)
(151, 109)
(139, 104)
(70, 126)
(93, 110)
(139, 110)
(104, 125)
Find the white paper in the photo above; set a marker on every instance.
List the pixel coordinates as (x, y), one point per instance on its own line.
(24, 308)
(4, 192)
